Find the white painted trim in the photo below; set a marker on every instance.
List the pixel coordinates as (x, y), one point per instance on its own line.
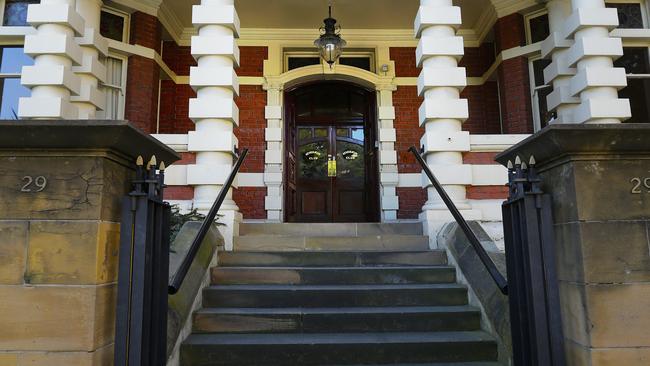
(494, 143)
(178, 142)
(251, 180)
(410, 180)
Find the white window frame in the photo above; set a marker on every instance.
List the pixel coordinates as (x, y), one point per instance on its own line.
(313, 53)
(9, 75)
(534, 92)
(645, 11)
(122, 89)
(127, 21)
(2, 17)
(527, 18)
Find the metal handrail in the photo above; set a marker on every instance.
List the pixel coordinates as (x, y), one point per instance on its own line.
(178, 279)
(489, 264)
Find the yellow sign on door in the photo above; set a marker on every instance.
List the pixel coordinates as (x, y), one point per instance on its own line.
(331, 168)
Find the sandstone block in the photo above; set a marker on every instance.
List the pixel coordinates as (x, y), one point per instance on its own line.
(57, 318)
(13, 246)
(72, 252)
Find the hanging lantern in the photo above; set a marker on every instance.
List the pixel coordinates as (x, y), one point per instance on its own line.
(330, 44)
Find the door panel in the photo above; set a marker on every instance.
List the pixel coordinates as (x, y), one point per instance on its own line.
(331, 168)
(313, 184)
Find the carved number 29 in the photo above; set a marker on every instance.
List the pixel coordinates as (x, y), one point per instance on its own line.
(39, 184)
(638, 184)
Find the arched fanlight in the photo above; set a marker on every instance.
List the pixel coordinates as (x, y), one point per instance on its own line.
(330, 44)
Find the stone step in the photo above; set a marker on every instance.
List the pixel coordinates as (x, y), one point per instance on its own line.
(337, 320)
(337, 349)
(274, 296)
(332, 275)
(437, 364)
(329, 243)
(327, 229)
(330, 259)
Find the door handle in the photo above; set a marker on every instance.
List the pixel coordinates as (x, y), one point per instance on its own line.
(331, 166)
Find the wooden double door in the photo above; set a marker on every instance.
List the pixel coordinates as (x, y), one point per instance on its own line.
(331, 155)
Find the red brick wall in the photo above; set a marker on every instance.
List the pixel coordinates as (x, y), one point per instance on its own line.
(181, 192)
(513, 76)
(252, 60)
(407, 127)
(479, 158)
(174, 107)
(174, 98)
(252, 124)
(483, 100)
(145, 30)
(178, 58)
(404, 58)
(510, 32)
(484, 192)
(411, 201)
(487, 193)
(477, 60)
(516, 105)
(251, 201)
(141, 106)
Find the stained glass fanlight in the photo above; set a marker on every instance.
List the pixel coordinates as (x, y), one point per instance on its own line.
(330, 44)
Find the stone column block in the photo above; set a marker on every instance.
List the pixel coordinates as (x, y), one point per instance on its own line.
(599, 180)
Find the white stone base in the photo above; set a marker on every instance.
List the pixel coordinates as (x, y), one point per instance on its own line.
(231, 220)
(434, 220)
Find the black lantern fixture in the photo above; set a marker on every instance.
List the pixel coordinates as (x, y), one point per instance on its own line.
(330, 44)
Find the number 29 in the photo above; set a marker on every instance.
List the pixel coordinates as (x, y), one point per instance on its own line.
(34, 185)
(639, 183)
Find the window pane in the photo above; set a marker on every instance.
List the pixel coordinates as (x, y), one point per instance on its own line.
(112, 26)
(12, 60)
(634, 60)
(544, 115)
(360, 62)
(298, 62)
(637, 91)
(114, 96)
(11, 92)
(539, 28)
(629, 15)
(16, 12)
(539, 66)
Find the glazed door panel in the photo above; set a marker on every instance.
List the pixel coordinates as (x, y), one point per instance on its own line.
(330, 161)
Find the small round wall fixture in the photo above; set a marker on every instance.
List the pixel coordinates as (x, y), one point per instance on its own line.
(330, 44)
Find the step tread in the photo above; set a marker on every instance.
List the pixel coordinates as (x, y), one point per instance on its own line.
(361, 310)
(336, 287)
(334, 268)
(338, 338)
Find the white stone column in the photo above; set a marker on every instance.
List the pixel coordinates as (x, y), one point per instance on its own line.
(558, 73)
(55, 52)
(92, 71)
(443, 111)
(593, 52)
(389, 178)
(274, 155)
(214, 110)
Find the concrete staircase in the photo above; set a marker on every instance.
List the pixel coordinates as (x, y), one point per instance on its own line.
(336, 294)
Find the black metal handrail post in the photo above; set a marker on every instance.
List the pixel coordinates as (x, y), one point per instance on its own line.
(492, 269)
(178, 279)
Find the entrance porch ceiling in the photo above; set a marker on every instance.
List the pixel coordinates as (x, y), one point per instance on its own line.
(478, 15)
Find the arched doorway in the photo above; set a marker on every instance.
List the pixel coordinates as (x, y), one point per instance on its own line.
(331, 154)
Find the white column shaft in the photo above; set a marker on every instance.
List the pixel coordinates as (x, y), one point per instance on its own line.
(213, 110)
(597, 81)
(92, 71)
(55, 54)
(443, 111)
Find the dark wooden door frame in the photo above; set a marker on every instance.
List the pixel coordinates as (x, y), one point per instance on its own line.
(290, 143)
